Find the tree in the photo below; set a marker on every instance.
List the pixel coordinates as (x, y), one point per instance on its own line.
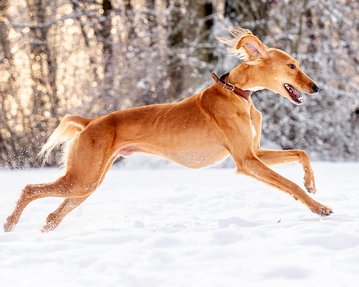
(105, 37)
(249, 14)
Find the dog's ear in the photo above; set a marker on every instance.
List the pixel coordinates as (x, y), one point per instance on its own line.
(253, 47)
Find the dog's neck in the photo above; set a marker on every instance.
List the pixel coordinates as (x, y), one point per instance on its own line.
(230, 87)
(244, 77)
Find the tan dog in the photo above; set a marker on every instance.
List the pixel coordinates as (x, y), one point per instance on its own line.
(196, 132)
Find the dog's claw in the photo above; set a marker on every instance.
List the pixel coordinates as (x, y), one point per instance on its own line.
(47, 228)
(325, 211)
(311, 188)
(8, 227)
(321, 210)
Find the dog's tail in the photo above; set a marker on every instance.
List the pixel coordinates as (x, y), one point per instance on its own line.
(67, 129)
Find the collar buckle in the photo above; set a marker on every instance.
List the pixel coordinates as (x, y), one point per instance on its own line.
(232, 86)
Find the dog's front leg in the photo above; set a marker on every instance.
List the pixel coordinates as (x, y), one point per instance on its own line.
(239, 143)
(256, 168)
(273, 157)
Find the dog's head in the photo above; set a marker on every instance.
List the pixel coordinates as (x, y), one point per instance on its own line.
(271, 68)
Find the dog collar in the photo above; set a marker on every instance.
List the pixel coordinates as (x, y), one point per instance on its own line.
(230, 87)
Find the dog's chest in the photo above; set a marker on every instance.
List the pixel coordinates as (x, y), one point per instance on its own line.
(254, 132)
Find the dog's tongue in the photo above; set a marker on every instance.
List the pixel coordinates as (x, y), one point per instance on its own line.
(295, 95)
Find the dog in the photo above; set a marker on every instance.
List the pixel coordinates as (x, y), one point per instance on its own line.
(196, 132)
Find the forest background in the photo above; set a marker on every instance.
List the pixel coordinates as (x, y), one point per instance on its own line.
(92, 57)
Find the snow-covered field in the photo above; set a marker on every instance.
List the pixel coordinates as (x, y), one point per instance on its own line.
(177, 227)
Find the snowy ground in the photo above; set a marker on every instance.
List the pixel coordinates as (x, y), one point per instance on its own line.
(177, 227)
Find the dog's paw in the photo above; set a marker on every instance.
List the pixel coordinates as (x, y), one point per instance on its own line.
(322, 210)
(47, 228)
(309, 181)
(311, 188)
(325, 211)
(51, 223)
(9, 225)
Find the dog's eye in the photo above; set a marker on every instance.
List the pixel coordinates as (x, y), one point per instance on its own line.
(292, 66)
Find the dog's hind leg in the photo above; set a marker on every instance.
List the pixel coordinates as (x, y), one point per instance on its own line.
(273, 157)
(69, 204)
(62, 187)
(55, 218)
(86, 167)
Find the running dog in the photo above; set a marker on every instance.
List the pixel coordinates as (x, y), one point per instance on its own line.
(195, 132)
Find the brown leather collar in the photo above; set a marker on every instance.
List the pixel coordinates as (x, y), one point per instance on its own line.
(230, 87)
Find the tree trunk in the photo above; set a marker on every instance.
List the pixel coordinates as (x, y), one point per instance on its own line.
(43, 71)
(107, 52)
(174, 40)
(9, 143)
(250, 14)
(204, 11)
(131, 31)
(76, 7)
(151, 21)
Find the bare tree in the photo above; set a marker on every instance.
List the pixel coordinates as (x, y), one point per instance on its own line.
(10, 142)
(249, 14)
(175, 67)
(105, 37)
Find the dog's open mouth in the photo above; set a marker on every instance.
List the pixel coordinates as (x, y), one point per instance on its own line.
(294, 94)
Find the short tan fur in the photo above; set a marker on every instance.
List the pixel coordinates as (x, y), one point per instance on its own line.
(195, 132)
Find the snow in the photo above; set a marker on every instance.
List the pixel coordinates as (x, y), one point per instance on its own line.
(178, 227)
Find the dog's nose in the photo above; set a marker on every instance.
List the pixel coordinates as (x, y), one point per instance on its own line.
(315, 88)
